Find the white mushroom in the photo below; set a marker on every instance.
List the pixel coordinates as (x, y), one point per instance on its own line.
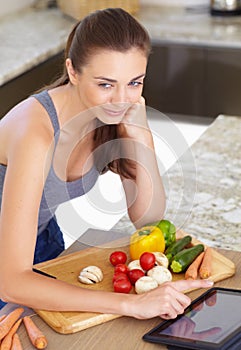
(90, 275)
(145, 284)
(160, 273)
(135, 264)
(161, 259)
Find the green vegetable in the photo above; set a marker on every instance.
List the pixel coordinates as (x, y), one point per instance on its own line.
(168, 230)
(177, 246)
(185, 257)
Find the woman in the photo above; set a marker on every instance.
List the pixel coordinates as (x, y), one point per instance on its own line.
(50, 151)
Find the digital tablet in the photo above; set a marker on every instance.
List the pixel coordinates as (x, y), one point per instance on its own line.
(212, 321)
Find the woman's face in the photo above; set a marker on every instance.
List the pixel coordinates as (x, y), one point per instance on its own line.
(113, 81)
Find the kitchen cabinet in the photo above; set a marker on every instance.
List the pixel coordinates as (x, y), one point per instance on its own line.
(181, 79)
(223, 82)
(194, 80)
(175, 80)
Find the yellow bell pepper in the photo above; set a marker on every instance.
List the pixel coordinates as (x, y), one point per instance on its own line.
(146, 239)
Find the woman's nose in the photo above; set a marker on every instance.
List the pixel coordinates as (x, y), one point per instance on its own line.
(119, 95)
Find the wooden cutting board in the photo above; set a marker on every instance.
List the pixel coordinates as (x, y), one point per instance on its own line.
(67, 268)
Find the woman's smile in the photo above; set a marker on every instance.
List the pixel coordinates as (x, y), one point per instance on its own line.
(114, 113)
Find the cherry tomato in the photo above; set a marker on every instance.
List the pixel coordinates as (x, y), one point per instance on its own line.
(119, 275)
(134, 275)
(147, 261)
(122, 286)
(118, 257)
(121, 268)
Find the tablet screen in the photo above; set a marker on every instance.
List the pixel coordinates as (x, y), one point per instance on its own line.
(212, 320)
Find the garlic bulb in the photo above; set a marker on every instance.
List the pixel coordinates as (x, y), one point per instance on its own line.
(161, 259)
(90, 275)
(160, 274)
(145, 284)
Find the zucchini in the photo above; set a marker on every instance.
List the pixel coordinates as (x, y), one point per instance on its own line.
(184, 258)
(177, 246)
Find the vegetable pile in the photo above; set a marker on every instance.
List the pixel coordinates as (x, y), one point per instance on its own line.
(145, 273)
(9, 324)
(155, 253)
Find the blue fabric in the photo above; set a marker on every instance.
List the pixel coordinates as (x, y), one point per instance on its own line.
(2, 304)
(50, 244)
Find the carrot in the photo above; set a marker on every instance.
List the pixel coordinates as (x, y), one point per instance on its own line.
(192, 270)
(37, 338)
(7, 323)
(7, 340)
(205, 270)
(16, 345)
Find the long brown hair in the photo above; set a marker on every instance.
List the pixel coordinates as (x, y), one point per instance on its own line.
(108, 29)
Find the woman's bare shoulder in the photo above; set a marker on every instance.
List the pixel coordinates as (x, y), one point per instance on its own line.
(26, 122)
(27, 114)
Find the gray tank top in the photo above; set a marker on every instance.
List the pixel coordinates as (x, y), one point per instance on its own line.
(56, 191)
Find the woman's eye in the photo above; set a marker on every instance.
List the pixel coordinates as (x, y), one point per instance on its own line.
(105, 85)
(135, 83)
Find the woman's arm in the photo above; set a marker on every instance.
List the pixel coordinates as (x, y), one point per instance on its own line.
(145, 196)
(29, 155)
(28, 152)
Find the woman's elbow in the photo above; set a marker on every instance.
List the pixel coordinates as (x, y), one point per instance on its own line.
(9, 288)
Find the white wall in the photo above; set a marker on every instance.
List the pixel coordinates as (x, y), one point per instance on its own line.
(13, 5)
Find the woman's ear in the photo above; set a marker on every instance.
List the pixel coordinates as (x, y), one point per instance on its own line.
(71, 72)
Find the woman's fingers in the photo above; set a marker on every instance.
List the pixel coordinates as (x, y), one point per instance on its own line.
(142, 101)
(173, 303)
(180, 301)
(136, 114)
(183, 285)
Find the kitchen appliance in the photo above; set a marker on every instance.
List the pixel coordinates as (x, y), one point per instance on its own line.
(225, 7)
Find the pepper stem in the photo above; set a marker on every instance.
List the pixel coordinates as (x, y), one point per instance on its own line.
(144, 232)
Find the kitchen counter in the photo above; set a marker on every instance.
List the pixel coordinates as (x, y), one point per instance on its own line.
(204, 187)
(191, 26)
(31, 36)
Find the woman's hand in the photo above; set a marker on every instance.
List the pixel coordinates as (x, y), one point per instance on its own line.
(134, 124)
(167, 301)
(145, 196)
